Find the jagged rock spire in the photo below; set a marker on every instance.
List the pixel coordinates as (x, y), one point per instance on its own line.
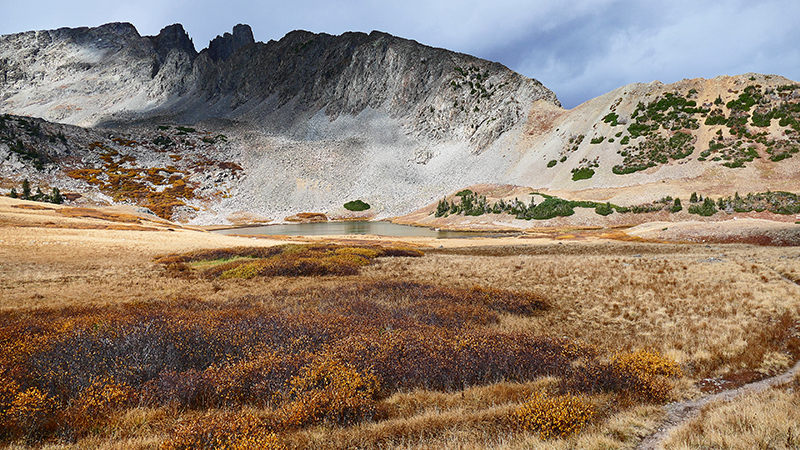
(224, 46)
(173, 37)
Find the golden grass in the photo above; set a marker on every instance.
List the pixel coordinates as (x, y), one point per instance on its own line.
(99, 214)
(715, 318)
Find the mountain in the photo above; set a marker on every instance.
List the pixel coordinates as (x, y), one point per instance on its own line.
(312, 121)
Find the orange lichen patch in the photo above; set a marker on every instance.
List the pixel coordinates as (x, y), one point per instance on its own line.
(97, 144)
(176, 158)
(125, 142)
(98, 214)
(108, 157)
(307, 217)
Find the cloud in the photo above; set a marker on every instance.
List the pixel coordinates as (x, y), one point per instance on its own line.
(690, 39)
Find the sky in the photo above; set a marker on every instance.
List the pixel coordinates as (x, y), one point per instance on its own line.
(579, 49)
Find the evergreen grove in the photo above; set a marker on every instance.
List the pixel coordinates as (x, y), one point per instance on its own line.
(472, 204)
(39, 196)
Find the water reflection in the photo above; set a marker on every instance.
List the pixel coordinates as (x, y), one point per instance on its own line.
(343, 228)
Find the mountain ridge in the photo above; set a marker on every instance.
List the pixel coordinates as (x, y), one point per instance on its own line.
(315, 120)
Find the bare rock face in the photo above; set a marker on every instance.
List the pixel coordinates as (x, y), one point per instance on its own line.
(222, 47)
(171, 38)
(312, 121)
(435, 94)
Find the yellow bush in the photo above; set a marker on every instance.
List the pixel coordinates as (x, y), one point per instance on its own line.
(648, 364)
(97, 402)
(331, 390)
(648, 372)
(29, 412)
(353, 259)
(557, 416)
(246, 271)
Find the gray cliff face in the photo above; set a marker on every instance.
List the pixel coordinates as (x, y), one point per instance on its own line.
(110, 74)
(436, 94)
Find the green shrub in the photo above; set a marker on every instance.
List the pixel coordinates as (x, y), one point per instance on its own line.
(603, 209)
(356, 205)
(552, 163)
(676, 206)
(611, 118)
(708, 208)
(582, 174)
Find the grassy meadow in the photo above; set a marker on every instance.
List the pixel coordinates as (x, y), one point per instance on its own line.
(120, 340)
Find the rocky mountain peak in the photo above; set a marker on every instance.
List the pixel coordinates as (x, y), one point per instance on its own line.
(172, 37)
(222, 47)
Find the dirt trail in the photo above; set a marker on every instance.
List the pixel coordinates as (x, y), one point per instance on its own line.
(680, 413)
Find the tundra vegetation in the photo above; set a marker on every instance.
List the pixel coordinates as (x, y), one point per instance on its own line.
(336, 346)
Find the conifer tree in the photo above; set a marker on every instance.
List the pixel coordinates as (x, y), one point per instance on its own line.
(26, 189)
(56, 197)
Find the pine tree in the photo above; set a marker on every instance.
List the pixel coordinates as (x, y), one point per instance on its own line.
(56, 197)
(13, 193)
(676, 206)
(26, 189)
(442, 208)
(693, 198)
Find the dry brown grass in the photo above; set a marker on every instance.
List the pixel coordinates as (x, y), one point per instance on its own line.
(716, 318)
(717, 310)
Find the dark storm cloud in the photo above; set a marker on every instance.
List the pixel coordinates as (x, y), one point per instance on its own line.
(579, 49)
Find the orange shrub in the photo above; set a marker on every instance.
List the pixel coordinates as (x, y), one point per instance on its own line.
(638, 376)
(95, 404)
(333, 391)
(29, 414)
(557, 416)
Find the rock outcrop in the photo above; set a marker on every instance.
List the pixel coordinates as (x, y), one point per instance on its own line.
(222, 47)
